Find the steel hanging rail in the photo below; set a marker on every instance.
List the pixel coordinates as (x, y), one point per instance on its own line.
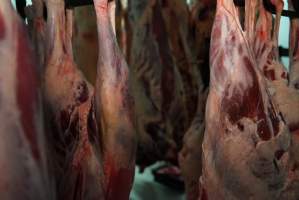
(271, 8)
(77, 3)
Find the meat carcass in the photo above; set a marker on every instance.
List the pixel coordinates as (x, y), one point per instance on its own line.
(37, 29)
(246, 143)
(202, 15)
(22, 144)
(265, 44)
(85, 37)
(294, 51)
(282, 86)
(114, 107)
(156, 82)
(292, 109)
(74, 142)
(176, 14)
(173, 96)
(202, 18)
(190, 157)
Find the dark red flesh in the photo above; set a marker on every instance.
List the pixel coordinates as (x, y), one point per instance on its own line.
(249, 104)
(118, 181)
(27, 89)
(160, 34)
(2, 27)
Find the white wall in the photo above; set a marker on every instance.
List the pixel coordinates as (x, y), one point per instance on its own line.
(14, 3)
(284, 34)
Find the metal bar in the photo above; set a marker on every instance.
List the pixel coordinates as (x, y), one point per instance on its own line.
(77, 3)
(283, 52)
(271, 8)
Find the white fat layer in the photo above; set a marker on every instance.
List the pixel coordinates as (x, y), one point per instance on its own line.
(232, 155)
(233, 61)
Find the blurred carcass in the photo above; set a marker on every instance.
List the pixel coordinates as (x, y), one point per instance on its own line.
(156, 83)
(23, 161)
(202, 17)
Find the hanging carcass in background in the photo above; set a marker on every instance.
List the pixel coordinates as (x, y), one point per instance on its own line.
(24, 172)
(294, 48)
(160, 135)
(190, 157)
(202, 17)
(263, 37)
(176, 14)
(156, 82)
(246, 143)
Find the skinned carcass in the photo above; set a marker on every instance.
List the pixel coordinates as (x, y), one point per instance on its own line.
(23, 159)
(157, 84)
(190, 157)
(176, 13)
(92, 134)
(114, 108)
(282, 86)
(85, 37)
(37, 29)
(74, 145)
(202, 16)
(247, 142)
(294, 85)
(294, 50)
